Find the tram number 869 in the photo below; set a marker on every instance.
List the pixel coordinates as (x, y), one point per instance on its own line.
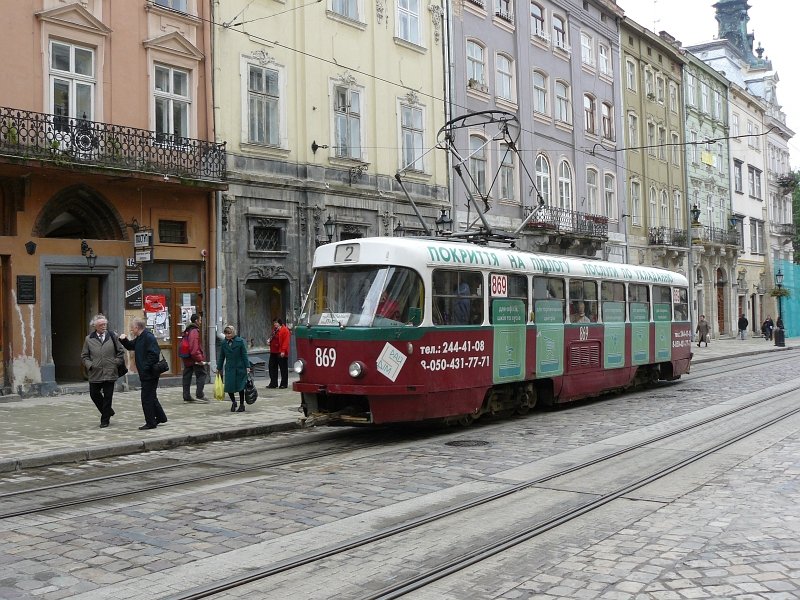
(325, 357)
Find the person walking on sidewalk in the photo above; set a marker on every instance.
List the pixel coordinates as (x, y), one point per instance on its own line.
(702, 330)
(194, 360)
(743, 323)
(102, 355)
(279, 354)
(767, 328)
(234, 364)
(146, 351)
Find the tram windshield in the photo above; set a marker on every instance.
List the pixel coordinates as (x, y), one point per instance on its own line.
(364, 296)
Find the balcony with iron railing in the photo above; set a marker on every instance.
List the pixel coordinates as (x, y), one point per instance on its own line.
(785, 229)
(66, 142)
(664, 236)
(716, 235)
(561, 220)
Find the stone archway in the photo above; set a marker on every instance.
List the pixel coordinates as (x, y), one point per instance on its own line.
(79, 212)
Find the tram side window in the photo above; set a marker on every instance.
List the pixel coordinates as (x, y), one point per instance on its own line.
(516, 288)
(613, 301)
(582, 301)
(548, 300)
(457, 297)
(638, 302)
(662, 303)
(680, 303)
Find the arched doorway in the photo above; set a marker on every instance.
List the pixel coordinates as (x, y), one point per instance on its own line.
(721, 313)
(75, 292)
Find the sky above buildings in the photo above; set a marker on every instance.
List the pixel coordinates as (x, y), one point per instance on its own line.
(774, 23)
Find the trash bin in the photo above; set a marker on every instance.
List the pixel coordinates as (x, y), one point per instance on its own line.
(780, 337)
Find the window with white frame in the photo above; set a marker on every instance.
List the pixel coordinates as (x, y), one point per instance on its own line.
(72, 83)
(408, 21)
(477, 163)
(504, 9)
(756, 236)
(717, 105)
(179, 5)
(704, 97)
(543, 177)
(475, 63)
(660, 88)
(649, 84)
(504, 78)
(589, 114)
(607, 120)
(587, 49)
(756, 141)
(653, 196)
(673, 97)
(591, 190)
(754, 182)
(540, 92)
(633, 130)
(172, 103)
(347, 122)
(630, 74)
(691, 91)
(737, 176)
(662, 143)
(564, 185)
(506, 175)
(735, 125)
(604, 59)
(346, 8)
(537, 21)
(263, 105)
(412, 132)
(693, 146)
(677, 208)
(676, 149)
(610, 195)
(636, 202)
(560, 33)
(563, 103)
(651, 138)
(664, 208)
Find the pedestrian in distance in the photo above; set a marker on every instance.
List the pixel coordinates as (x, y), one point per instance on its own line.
(703, 329)
(190, 350)
(742, 325)
(767, 327)
(102, 355)
(146, 352)
(279, 354)
(234, 365)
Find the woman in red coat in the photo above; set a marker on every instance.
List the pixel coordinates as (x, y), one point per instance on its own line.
(279, 354)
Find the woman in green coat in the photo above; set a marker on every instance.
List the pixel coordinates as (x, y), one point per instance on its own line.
(234, 365)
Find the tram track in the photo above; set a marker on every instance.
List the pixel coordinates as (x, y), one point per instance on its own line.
(472, 557)
(209, 462)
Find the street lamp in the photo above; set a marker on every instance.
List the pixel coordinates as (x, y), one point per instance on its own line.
(330, 228)
(444, 222)
(780, 337)
(695, 212)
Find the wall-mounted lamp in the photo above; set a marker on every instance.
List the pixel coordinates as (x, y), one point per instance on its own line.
(315, 146)
(695, 212)
(86, 251)
(134, 224)
(30, 247)
(734, 221)
(399, 230)
(444, 222)
(330, 228)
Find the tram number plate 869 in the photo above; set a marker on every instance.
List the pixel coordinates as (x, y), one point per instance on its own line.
(325, 357)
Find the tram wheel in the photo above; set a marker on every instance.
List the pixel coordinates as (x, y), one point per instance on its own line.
(466, 420)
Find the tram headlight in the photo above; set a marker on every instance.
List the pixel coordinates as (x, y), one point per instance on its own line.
(356, 369)
(299, 366)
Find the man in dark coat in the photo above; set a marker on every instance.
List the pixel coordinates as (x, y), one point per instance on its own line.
(195, 363)
(146, 351)
(743, 323)
(102, 356)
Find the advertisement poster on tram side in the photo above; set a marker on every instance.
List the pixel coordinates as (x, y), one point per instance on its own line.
(508, 324)
(614, 335)
(549, 317)
(662, 315)
(640, 333)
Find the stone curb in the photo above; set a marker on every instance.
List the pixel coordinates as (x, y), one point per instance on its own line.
(740, 354)
(124, 448)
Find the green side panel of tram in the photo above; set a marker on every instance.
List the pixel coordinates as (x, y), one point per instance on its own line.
(549, 338)
(614, 335)
(662, 315)
(508, 325)
(640, 333)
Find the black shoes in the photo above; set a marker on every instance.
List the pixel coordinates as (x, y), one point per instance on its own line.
(233, 407)
(283, 387)
(271, 385)
(241, 407)
(159, 421)
(146, 426)
(103, 424)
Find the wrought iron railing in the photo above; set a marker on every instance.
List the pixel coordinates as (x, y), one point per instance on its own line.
(562, 220)
(787, 229)
(66, 141)
(664, 236)
(715, 235)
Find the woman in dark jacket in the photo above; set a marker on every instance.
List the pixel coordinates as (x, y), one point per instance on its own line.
(102, 355)
(234, 364)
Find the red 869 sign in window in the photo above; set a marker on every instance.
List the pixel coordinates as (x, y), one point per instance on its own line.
(498, 285)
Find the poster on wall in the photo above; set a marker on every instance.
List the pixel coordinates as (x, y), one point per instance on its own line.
(133, 289)
(157, 315)
(186, 315)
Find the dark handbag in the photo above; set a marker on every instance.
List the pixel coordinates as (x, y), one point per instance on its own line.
(162, 366)
(250, 391)
(121, 370)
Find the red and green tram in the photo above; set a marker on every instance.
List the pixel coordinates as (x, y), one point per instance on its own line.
(402, 329)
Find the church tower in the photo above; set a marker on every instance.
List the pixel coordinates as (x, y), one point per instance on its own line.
(732, 18)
